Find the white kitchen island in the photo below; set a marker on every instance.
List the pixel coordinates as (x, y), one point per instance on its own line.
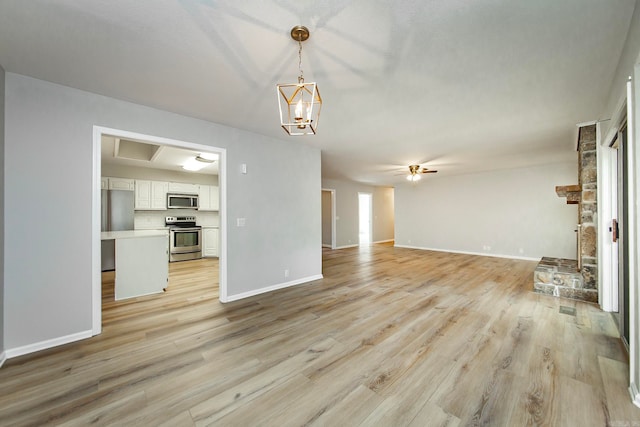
(141, 261)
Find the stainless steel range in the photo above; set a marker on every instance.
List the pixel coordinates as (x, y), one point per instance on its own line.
(185, 238)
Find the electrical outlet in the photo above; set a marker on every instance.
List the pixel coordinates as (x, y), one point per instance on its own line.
(286, 273)
(241, 222)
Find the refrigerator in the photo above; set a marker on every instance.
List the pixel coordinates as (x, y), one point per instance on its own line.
(117, 215)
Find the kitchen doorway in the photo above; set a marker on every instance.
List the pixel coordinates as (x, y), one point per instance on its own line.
(98, 133)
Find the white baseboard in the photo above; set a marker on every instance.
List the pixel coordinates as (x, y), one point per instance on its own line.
(384, 241)
(324, 245)
(635, 395)
(3, 358)
(43, 345)
(347, 246)
(469, 253)
(273, 288)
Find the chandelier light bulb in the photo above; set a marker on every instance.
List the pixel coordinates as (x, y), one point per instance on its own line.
(298, 113)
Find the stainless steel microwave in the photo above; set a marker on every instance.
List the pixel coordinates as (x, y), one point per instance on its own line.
(182, 201)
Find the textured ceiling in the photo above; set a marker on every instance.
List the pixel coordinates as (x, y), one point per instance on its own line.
(458, 85)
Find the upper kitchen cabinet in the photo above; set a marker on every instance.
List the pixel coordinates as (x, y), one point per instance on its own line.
(151, 195)
(209, 198)
(108, 183)
(182, 188)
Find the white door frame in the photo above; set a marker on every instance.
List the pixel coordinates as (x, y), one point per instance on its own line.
(607, 210)
(96, 282)
(633, 191)
(333, 215)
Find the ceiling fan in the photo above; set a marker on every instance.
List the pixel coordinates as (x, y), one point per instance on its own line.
(416, 170)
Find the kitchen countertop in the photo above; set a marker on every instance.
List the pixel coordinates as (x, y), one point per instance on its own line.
(132, 234)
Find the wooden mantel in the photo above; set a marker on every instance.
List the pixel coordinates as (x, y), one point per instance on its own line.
(571, 192)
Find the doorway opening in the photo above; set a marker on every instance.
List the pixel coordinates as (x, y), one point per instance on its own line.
(329, 218)
(364, 216)
(98, 133)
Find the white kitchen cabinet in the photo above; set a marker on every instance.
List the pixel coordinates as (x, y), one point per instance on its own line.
(109, 183)
(210, 241)
(143, 195)
(150, 195)
(183, 188)
(121, 184)
(159, 191)
(209, 198)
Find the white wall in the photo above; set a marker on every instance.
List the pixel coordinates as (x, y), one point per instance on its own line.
(2, 160)
(49, 156)
(514, 212)
(347, 211)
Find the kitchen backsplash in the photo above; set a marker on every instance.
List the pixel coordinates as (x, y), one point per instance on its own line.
(150, 220)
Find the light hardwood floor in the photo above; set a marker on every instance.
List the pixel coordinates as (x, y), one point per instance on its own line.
(390, 337)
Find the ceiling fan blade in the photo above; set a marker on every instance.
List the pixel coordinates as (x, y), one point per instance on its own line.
(425, 170)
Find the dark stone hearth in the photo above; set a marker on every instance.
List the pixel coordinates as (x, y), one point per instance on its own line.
(557, 277)
(589, 273)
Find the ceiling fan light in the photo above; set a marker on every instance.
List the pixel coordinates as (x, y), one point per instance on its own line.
(413, 178)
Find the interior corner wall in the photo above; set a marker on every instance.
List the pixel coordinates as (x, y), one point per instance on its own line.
(347, 232)
(48, 184)
(511, 213)
(2, 84)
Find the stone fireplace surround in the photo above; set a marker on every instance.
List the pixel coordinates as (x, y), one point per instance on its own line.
(577, 279)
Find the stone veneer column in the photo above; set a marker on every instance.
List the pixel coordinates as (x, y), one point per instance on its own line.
(588, 206)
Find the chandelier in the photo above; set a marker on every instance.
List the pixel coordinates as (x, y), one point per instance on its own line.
(299, 103)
